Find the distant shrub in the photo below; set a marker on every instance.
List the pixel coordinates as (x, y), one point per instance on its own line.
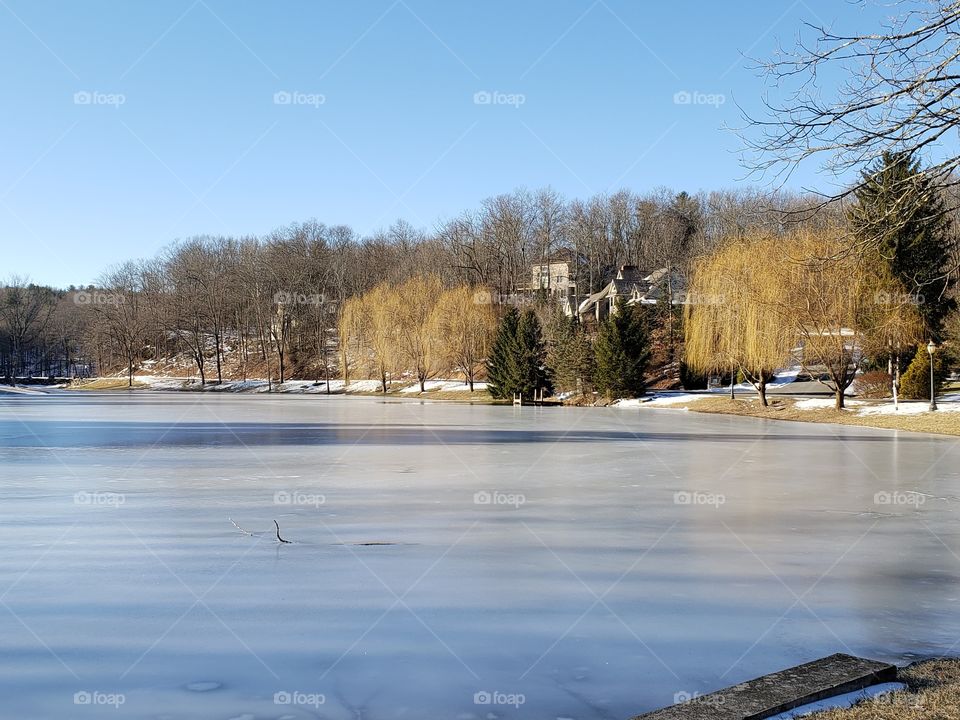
(873, 384)
(692, 380)
(915, 384)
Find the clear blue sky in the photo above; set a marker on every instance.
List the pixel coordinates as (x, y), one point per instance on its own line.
(199, 144)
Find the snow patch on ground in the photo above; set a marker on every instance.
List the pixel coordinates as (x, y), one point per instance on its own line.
(910, 408)
(863, 407)
(841, 701)
(299, 387)
(816, 403)
(445, 386)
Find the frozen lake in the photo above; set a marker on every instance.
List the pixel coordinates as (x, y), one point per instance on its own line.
(558, 563)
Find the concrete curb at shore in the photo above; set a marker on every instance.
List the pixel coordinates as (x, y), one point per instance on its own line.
(769, 695)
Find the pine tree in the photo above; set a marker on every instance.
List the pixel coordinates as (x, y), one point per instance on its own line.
(916, 380)
(569, 355)
(503, 367)
(622, 350)
(533, 354)
(900, 211)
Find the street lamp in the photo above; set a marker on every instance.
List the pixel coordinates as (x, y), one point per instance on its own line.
(931, 348)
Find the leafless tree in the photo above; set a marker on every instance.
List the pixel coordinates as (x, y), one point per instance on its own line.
(900, 91)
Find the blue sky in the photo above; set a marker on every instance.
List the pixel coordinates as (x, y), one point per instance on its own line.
(127, 125)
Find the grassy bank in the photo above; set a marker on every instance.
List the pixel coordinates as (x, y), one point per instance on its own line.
(933, 692)
(780, 408)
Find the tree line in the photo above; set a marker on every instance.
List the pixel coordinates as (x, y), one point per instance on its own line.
(314, 301)
(832, 304)
(269, 306)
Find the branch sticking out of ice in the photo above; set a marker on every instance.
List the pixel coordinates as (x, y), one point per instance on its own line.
(257, 534)
(278, 533)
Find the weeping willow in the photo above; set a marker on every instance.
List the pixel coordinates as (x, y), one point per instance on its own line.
(761, 300)
(732, 313)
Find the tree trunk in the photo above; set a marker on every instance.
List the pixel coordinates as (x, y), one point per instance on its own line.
(896, 379)
(216, 340)
(838, 399)
(762, 391)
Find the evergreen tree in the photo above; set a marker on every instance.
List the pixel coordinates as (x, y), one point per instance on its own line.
(533, 356)
(569, 355)
(622, 350)
(503, 367)
(916, 380)
(900, 210)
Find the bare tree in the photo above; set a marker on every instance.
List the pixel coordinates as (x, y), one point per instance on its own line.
(122, 307)
(901, 93)
(25, 309)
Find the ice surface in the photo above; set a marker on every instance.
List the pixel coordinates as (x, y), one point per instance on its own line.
(556, 562)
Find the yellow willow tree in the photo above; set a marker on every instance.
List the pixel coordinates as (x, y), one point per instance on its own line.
(732, 317)
(420, 348)
(368, 332)
(834, 302)
(892, 321)
(466, 322)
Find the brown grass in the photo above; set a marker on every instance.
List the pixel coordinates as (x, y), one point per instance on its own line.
(934, 692)
(785, 409)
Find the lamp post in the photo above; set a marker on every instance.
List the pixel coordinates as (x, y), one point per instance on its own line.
(931, 348)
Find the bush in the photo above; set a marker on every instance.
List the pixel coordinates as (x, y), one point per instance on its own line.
(873, 384)
(690, 379)
(915, 384)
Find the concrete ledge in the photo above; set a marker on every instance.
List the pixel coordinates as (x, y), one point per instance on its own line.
(781, 691)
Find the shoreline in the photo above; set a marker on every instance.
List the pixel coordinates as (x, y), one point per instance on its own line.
(873, 414)
(440, 390)
(932, 691)
(912, 417)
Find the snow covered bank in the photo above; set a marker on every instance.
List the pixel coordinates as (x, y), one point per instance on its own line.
(302, 387)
